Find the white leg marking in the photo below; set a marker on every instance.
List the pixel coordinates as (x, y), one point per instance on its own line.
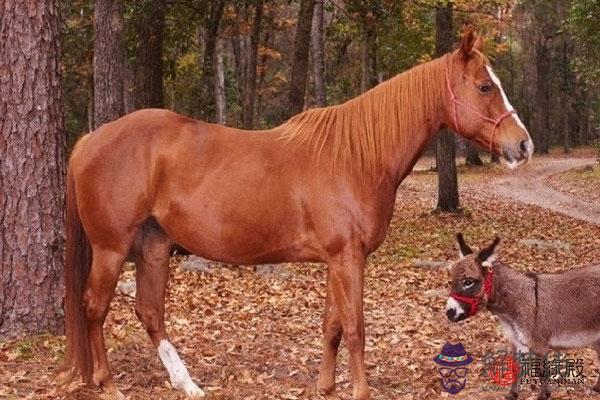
(452, 304)
(180, 378)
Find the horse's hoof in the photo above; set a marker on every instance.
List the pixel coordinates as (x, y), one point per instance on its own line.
(112, 394)
(192, 391)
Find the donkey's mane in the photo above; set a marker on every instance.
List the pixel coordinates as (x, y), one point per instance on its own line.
(366, 131)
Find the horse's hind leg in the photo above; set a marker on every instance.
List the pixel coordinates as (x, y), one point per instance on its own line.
(100, 288)
(151, 253)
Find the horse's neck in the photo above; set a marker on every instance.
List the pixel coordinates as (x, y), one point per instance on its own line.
(418, 134)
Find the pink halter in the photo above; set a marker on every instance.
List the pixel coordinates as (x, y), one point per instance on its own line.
(457, 103)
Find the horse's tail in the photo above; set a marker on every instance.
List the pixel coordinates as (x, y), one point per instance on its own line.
(78, 260)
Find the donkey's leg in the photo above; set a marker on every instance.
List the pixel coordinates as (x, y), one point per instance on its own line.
(104, 273)
(332, 335)
(596, 347)
(515, 388)
(545, 388)
(347, 280)
(151, 255)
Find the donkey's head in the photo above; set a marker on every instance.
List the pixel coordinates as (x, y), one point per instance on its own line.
(477, 107)
(471, 279)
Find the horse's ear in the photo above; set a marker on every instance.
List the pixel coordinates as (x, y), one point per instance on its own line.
(463, 247)
(470, 41)
(487, 256)
(478, 45)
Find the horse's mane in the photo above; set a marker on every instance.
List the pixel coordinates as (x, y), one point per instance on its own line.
(366, 131)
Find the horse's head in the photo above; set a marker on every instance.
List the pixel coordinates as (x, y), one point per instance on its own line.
(477, 107)
(471, 280)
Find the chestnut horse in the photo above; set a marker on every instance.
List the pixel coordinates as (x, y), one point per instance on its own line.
(319, 188)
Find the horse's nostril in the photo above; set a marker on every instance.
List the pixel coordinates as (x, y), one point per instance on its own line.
(525, 146)
(450, 313)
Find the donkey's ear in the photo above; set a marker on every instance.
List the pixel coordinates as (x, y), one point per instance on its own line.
(463, 247)
(470, 41)
(487, 256)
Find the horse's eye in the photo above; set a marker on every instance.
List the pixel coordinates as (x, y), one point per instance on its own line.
(485, 87)
(468, 283)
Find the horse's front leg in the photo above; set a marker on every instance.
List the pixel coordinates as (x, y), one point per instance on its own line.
(332, 335)
(346, 277)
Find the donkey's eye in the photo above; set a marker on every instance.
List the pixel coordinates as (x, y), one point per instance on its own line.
(467, 283)
(486, 87)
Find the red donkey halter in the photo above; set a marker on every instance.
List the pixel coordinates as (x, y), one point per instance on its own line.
(457, 103)
(474, 301)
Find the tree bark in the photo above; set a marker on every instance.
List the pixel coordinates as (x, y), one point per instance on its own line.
(541, 112)
(250, 92)
(472, 155)
(318, 49)
(219, 83)
(300, 60)
(148, 68)
(108, 61)
(445, 146)
(32, 169)
(207, 109)
(369, 51)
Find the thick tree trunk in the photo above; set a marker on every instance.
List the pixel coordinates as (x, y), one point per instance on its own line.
(445, 146)
(369, 51)
(108, 61)
(207, 109)
(250, 92)
(148, 69)
(318, 49)
(300, 60)
(32, 169)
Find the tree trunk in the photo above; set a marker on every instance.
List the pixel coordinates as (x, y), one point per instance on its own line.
(318, 49)
(445, 146)
(564, 98)
(148, 69)
(369, 51)
(300, 60)
(541, 112)
(250, 92)
(207, 107)
(219, 83)
(472, 155)
(32, 169)
(108, 61)
(267, 40)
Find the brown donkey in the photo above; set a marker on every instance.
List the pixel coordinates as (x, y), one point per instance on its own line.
(537, 312)
(320, 188)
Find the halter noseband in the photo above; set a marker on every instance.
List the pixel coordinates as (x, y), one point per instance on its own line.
(474, 301)
(457, 103)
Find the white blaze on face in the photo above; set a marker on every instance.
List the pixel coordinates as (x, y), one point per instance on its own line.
(178, 373)
(452, 304)
(507, 104)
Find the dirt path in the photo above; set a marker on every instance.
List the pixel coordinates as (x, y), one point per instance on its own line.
(528, 185)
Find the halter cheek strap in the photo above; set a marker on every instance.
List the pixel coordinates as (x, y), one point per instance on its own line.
(474, 301)
(457, 103)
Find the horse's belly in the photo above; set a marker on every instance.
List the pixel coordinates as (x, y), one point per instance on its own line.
(241, 234)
